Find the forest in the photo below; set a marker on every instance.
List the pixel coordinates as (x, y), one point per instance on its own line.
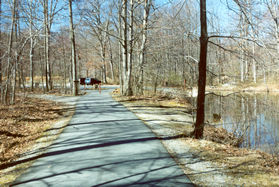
(220, 49)
(135, 43)
(50, 44)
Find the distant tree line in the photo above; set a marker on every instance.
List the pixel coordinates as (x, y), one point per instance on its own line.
(136, 43)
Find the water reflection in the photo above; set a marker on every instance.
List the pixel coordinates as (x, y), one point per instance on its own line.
(253, 117)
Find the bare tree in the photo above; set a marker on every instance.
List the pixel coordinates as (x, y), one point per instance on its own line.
(6, 87)
(73, 47)
(49, 13)
(46, 45)
(126, 28)
(97, 19)
(31, 8)
(142, 50)
(273, 8)
(199, 125)
(31, 53)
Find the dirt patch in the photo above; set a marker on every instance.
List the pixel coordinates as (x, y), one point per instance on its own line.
(213, 161)
(25, 131)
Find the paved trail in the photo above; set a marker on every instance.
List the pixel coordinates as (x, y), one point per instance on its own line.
(104, 145)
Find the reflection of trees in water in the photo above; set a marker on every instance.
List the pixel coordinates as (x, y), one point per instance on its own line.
(253, 117)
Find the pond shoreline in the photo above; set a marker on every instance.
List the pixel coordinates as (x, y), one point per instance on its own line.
(206, 163)
(251, 102)
(253, 116)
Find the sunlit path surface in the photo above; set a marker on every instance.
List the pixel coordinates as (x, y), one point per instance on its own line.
(104, 145)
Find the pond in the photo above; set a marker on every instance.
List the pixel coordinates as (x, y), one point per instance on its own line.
(255, 117)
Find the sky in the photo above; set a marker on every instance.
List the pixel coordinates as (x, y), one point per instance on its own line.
(218, 8)
(215, 8)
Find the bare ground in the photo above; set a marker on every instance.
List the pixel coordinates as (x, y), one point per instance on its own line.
(213, 161)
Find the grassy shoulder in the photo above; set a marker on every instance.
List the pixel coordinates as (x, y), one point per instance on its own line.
(25, 129)
(220, 161)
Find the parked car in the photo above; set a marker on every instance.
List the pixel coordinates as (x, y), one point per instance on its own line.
(89, 81)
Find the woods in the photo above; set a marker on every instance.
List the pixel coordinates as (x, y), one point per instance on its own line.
(140, 45)
(101, 77)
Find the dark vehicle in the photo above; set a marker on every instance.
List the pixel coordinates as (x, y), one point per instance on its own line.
(89, 81)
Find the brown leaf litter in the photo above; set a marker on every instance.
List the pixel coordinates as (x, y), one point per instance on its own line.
(22, 124)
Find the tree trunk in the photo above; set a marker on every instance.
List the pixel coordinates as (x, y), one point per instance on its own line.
(46, 46)
(111, 61)
(1, 79)
(242, 60)
(17, 58)
(126, 48)
(31, 52)
(120, 46)
(254, 65)
(8, 79)
(14, 75)
(64, 70)
(129, 51)
(22, 78)
(199, 125)
(104, 73)
(103, 43)
(103, 56)
(74, 63)
(147, 5)
(46, 42)
(42, 70)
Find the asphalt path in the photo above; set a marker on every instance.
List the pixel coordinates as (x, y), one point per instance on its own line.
(104, 145)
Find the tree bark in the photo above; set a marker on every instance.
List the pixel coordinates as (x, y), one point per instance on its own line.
(199, 125)
(64, 70)
(127, 51)
(147, 5)
(31, 52)
(17, 56)
(103, 45)
(124, 44)
(120, 45)
(74, 62)
(5, 97)
(103, 56)
(46, 44)
(111, 61)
